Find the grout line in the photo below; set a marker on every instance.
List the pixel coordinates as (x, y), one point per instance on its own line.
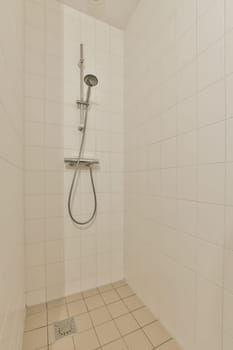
(198, 92)
(225, 177)
(92, 326)
(167, 341)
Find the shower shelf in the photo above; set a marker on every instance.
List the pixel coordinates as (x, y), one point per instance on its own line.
(83, 161)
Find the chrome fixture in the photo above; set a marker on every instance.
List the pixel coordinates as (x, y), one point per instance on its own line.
(91, 80)
(83, 161)
(83, 105)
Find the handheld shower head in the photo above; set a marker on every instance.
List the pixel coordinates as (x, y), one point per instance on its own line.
(91, 80)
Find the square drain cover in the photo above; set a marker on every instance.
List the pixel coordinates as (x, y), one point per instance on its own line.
(64, 328)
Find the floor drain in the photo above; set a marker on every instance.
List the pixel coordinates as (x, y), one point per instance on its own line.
(64, 328)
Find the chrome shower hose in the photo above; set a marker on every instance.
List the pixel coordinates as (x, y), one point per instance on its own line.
(72, 187)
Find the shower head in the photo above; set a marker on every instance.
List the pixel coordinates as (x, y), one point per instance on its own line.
(91, 80)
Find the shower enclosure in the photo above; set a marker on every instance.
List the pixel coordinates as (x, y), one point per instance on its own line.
(156, 158)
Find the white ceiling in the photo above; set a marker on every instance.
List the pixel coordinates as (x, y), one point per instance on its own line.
(114, 12)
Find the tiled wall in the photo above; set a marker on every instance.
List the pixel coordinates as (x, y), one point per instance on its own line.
(94, 255)
(43, 145)
(179, 176)
(11, 170)
(60, 258)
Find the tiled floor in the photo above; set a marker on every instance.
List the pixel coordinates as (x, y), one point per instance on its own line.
(111, 317)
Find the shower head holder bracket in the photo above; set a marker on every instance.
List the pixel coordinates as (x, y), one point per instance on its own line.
(82, 103)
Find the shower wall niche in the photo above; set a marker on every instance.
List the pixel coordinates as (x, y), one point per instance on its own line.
(62, 259)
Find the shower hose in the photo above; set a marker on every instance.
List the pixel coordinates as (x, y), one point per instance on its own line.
(72, 187)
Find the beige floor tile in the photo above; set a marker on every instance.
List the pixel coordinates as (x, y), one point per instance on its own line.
(35, 339)
(74, 297)
(119, 284)
(170, 345)
(117, 309)
(100, 315)
(156, 333)
(110, 297)
(125, 291)
(133, 303)
(86, 340)
(138, 341)
(143, 316)
(36, 309)
(90, 293)
(56, 303)
(83, 322)
(94, 302)
(116, 345)
(107, 333)
(77, 308)
(37, 320)
(57, 314)
(63, 344)
(51, 334)
(126, 324)
(105, 288)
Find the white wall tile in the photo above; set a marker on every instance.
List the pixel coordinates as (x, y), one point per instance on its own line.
(187, 81)
(168, 153)
(168, 123)
(229, 136)
(187, 183)
(34, 110)
(168, 182)
(154, 156)
(34, 134)
(102, 39)
(211, 25)
(229, 89)
(229, 52)
(187, 149)
(209, 315)
(209, 112)
(186, 50)
(210, 262)
(35, 254)
(187, 217)
(229, 185)
(211, 183)
(186, 119)
(116, 41)
(186, 16)
(229, 16)
(211, 143)
(210, 223)
(185, 303)
(228, 258)
(211, 65)
(54, 251)
(203, 6)
(34, 86)
(229, 227)
(227, 320)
